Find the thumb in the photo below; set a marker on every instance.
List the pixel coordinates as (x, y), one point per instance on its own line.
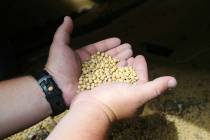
(62, 35)
(156, 87)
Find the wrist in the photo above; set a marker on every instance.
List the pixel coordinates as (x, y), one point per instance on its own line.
(85, 119)
(91, 108)
(53, 93)
(91, 118)
(68, 89)
(40, 94)
(84, 99)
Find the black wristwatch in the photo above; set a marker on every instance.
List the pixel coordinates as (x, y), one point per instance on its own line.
(52, 92)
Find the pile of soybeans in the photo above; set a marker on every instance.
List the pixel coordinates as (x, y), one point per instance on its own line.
(100, 68)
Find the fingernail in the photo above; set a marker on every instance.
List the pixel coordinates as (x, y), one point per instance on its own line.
(172, 83)
(65, 18)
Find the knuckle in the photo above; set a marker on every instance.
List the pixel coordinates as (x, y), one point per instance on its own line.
(156, 91)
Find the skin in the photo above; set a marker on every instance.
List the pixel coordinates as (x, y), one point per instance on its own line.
(91, 112)
(62, 56)
(22, 102)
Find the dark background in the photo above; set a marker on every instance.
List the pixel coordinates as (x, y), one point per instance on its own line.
(175, 30)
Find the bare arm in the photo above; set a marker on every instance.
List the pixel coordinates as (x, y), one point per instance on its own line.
(23, 103)
(84, 121)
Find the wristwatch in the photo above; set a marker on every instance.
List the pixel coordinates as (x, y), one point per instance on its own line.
(52, 92)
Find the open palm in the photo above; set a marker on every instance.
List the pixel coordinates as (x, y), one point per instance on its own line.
(122, 100)
(64, 64)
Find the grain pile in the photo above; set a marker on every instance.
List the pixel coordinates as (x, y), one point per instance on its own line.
(102, 68)
(39, 131)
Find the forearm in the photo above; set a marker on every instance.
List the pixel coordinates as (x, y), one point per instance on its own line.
(84, 121)
(22, 104)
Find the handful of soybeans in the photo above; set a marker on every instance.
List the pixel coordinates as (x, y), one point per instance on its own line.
(102, 68)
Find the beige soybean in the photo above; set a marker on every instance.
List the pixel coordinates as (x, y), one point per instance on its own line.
(102, 68)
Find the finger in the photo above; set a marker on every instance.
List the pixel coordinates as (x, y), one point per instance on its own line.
(113, 52)
(102, 46)
(122, 63)
(62, 35)
(156, 87)
(124, 55)
(130, 61)
(140, 66)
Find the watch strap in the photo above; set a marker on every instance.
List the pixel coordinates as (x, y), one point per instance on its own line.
(52, 92)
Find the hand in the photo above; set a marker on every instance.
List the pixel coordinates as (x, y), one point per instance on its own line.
(64, 64)
(120, 100)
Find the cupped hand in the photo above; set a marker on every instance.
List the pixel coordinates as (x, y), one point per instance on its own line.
(64, 64)
(120, 100)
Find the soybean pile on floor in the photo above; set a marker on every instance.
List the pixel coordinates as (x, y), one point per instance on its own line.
(102, 68)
